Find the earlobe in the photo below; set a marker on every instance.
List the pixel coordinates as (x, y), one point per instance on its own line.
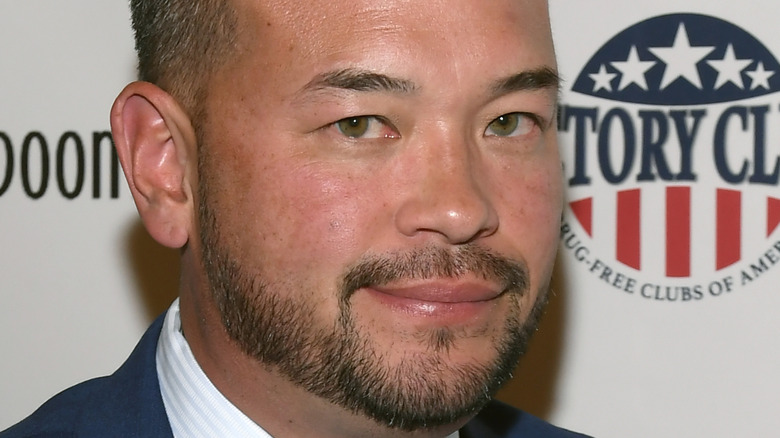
(155, 142)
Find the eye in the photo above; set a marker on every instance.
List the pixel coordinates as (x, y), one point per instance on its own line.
(365, 127)
(511, 125)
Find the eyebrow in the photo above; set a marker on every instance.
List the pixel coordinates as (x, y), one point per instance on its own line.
(529, 80)
(360, 80)
(364, 80)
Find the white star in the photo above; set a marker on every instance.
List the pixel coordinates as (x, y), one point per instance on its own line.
(602, 79)
(730, 69)
(633, 70)
(681, 59)
(760, 77)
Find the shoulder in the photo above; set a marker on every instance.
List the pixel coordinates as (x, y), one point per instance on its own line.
(127, 403)
(59, 414)
(500, 420)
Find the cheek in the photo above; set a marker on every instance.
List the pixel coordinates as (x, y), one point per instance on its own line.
(532, 214)
(310, 217)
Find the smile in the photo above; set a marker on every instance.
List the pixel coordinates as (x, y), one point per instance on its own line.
(455, 302)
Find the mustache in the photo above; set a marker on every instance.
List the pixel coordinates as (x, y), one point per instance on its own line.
(436, 262)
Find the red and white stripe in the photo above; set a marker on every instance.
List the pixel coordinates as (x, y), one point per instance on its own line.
(680, 231)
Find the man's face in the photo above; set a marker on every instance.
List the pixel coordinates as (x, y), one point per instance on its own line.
(380, 197)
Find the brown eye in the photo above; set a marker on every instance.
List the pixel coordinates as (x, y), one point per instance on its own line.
(510, 125)
(354, 127)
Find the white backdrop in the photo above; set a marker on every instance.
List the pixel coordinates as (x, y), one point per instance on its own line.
(615, 357)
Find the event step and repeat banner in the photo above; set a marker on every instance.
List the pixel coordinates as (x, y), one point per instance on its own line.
(662, 322)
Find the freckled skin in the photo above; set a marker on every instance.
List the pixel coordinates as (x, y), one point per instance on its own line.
(297, 203)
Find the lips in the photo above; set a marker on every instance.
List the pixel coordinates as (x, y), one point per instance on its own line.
(442, 292)
(440, 301)
(434, 285)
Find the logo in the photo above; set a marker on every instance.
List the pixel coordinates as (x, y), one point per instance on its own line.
(671, 146)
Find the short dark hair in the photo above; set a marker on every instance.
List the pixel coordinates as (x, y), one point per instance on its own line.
(181, 43)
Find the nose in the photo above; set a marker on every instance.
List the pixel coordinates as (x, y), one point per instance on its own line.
(448, 196)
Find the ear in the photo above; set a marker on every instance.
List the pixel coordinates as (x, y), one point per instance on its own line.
(156, 145)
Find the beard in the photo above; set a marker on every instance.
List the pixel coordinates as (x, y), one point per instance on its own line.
(274, 324)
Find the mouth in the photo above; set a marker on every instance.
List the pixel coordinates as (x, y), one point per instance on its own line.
(443, 292)
(455, 301)
(435, 286)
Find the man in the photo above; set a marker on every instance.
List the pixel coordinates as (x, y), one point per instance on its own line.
(366, 196)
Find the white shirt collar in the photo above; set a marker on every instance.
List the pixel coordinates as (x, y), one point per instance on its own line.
(194, 406)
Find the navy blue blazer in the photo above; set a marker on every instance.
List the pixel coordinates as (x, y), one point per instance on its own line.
(128, 404)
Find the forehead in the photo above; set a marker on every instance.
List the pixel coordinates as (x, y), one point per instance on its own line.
(454, 36)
